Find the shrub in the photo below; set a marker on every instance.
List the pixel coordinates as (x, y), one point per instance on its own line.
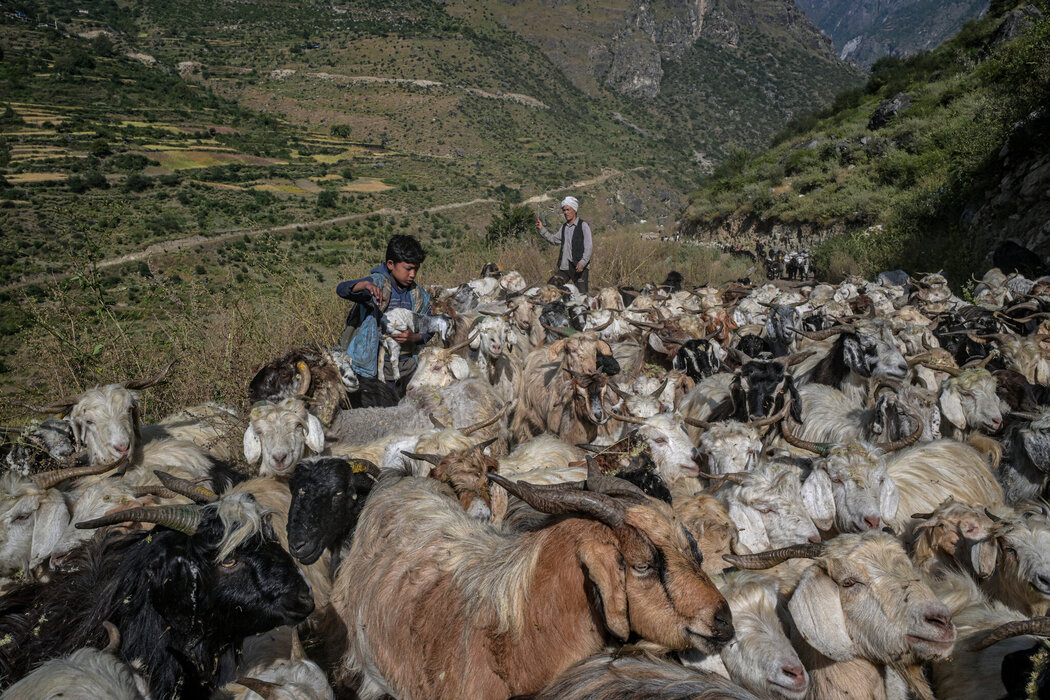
(511, 221)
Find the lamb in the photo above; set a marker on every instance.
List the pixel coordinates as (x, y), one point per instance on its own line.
(398, 321)
(478, 605)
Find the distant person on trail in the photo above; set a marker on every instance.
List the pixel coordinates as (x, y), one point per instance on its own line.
(576, 245)
(390, 284)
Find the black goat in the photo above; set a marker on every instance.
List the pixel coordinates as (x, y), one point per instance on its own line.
(753, 345)
(1013, 257)
(697, 358)
(183, 599)
(327, 496)
(374, 394)
(306, 371)
(673, 282)
(757, 391)
(868, 354)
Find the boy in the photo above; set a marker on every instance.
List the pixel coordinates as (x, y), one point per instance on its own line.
(390, 285)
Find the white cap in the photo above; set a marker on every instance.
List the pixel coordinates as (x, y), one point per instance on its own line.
(571, 202)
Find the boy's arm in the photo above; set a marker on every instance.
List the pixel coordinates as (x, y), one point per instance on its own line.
(363, 291)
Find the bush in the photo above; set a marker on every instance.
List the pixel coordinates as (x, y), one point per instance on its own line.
(327, 199)
(512, 221)
(137, 183)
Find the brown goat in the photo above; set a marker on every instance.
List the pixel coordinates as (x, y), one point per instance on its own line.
(439, 605)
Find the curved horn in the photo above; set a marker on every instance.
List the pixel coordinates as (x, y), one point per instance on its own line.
(696, 422)
(265, 689)
(903, 442)
(1016, 628)
(798, 357)
(480, 447)
(778, 416)
(604, 325)
(184, 487)
(113, 646)
(715, 332)
(154, 490)
(136, 384)
(620, 392)
(184, 519)
(435, 422)
(47, 480)
(601, 507)
(646, 324)
(486, 423)
(768, 559)
(627, 419)
(565, 333)
(62, 407)
(820, 448)
(359, 466)
(821, 335)
(304, 378)
(297, 653)
(735, 477)
(992, 516)
(660, 390)
(953, 371)
(470, 336)
(433, 459)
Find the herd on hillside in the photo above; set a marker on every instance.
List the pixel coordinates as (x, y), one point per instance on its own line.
(660, 492)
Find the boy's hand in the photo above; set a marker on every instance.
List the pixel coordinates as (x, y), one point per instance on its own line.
(371, 288)
(407, 337)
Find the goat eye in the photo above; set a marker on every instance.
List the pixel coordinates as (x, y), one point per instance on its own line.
(20, 518)
(642, 568)
(849, 582)
(765, 510)
(837, 480)
(229, 562)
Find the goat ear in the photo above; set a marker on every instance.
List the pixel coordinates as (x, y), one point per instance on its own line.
(854, 356)
(604, 348)
(512, 337)
(951, 407)
(52, 519)
(656, 344)
(889, 499)
(314, 433)
(556, 349)
(252, 446)
(460, 368)
(819, 499)
(817, 613)
(475, 341)
(751, 535)
(604, 566)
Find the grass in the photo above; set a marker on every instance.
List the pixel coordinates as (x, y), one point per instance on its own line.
(366, 184)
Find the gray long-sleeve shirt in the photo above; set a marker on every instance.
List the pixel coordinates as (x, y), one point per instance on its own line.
(566, 245)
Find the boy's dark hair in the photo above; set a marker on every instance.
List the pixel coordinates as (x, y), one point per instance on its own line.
(407, 249)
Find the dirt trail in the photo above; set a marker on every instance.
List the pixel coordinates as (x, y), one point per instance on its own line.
(191, 241)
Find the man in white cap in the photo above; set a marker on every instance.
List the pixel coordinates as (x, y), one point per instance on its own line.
(575, 239)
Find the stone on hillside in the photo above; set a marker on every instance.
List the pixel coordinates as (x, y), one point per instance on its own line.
(1015, 24)
(889, 109)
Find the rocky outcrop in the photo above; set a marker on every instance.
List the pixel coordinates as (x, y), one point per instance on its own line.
(745, 229)
(887, 110)
(1015, 24)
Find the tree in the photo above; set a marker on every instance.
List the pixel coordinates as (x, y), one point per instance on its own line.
(341, 131)
(327, 199)
(509, 222)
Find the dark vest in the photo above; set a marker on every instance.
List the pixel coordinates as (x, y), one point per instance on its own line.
(576, 247)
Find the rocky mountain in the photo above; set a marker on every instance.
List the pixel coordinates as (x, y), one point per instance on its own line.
(865, 30)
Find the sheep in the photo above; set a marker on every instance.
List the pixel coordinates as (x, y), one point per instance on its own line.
(770, 507)
(278, 434)
(85, 674)
(638, 675)
(478, 605)
(398, 321)
(858, 611)
(217, 576)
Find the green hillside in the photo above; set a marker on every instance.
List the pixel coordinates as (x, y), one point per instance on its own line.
(925, 191)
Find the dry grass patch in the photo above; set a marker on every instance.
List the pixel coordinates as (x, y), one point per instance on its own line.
(186, 160)
(21, 178)
(366, 184)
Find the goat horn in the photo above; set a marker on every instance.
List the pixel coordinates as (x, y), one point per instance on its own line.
(297, 653)
(596, 449)
(820, 448)
(953, 371)
(922, 516)
(563, 332)
(1026, 319)
(304, 378)
(265, 689)
(480, 447)
(601, 507)
(154, 490)
(627, 419)
(468, 341)
(486, 423)
(62, 406)
(136, 384)
(903, 442)
(1036, 625)
(821, 335)
(741, 356)
(359, 466)
(735, 477)
(113, 634)
(1025, 416)
(920, 358)
(432, 458)
(798, 357)
(768, 559)
(715, 332)
(435, 422)
(660, 390)
(779, 415)
(184, 519)
(184, 487)
(696, 422)
(47, 480)
(620, 392)
(604, 325)
(646, 324)
(992, 516)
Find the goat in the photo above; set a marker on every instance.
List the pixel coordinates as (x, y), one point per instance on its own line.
(770, 507)
(638, 675)
(1021, 579)
(398, 321)
(479, 605)
(859, 610)
(543, 451)
(954, 537)
(861, 351)
(729, 446)
(1026, 444)
(707, 520)
(40, 446)
(278, 434)
(205, 585)
(324, 377)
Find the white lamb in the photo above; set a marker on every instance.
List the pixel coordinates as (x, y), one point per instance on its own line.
(397, 321)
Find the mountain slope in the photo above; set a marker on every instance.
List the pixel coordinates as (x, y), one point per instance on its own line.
(963, 164)
(865, 30)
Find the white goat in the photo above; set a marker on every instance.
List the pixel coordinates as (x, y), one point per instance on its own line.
(279, 434)
(397, 321)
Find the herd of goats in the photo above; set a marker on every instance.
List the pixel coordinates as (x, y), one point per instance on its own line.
(662, 492)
